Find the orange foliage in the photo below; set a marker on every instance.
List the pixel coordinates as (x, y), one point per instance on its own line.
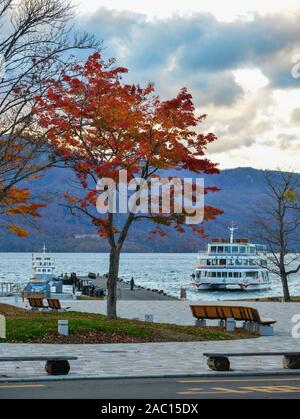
(99, 125)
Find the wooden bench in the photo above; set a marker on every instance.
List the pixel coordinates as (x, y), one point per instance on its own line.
(36, 303)
(249, 315)
(54, 304)
(55, 365)
(29, 294)
(220, 361)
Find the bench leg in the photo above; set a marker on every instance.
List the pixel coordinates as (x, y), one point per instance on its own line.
(222, 324)
(219, 364)
(253, 327)
(291, 362)
(57, 367)
(200, 322)
(230, 325)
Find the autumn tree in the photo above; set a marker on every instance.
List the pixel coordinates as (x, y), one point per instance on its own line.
(277, 224)
(101, 126)
(37, 43)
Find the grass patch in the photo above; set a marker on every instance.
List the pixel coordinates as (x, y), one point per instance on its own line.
(41, 327)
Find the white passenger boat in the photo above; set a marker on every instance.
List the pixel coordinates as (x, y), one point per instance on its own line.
(232, 264)
(44, 282)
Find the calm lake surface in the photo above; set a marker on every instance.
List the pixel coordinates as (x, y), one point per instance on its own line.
(167, 271)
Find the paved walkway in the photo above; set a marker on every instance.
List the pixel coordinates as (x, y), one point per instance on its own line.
(157, 358)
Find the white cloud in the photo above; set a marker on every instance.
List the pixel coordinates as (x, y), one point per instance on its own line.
(223, 10)
(238, 72)
(251, 80)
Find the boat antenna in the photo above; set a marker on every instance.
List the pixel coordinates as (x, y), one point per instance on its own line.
(44, 249)
(232, 229)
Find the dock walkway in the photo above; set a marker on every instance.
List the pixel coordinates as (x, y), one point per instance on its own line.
(124, 292)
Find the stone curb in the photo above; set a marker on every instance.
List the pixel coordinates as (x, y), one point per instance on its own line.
(237, 373)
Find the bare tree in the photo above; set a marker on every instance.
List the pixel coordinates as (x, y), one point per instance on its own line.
(278, 222)
(37, 44)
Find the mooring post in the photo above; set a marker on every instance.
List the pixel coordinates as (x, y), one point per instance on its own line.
(2, 327)
(63, 327)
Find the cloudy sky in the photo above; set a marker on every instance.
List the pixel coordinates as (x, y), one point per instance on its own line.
(235, 57)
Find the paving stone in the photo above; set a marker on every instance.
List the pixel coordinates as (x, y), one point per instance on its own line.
(158, 358)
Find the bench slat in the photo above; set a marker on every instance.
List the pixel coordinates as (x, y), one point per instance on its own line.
(241, 354)
(219, 312)
(37, 358)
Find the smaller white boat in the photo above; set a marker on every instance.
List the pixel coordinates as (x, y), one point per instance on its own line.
(43, 281)
(232, 264)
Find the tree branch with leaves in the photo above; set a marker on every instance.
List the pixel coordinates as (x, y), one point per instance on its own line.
(37, 44)
(101, 125)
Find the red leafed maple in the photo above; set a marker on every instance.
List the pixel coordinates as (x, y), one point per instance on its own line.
(16, 204)
(100, 125)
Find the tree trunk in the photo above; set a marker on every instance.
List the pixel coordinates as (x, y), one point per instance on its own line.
(114, 259)
(285, 286)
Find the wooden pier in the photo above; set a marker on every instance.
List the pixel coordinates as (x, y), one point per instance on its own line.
(10, 288)
(124, 291)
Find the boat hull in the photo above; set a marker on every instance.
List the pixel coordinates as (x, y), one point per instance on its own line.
(232, 287)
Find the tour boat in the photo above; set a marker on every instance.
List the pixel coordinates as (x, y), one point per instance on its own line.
(232, 264)
(44, 282)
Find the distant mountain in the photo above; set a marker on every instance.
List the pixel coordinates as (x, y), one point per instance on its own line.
(242, 190)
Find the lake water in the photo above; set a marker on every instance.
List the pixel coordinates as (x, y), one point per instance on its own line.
(167, 271)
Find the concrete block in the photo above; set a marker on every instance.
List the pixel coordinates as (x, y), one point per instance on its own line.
(57, 367)
(291, 362)
(219, 364)
(63, 327)
(230, 325)
(149, 318)
(265, 330)
(2, 327)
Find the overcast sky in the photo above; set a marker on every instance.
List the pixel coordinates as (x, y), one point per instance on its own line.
(235, 57)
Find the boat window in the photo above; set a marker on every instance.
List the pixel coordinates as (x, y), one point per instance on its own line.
(44, 270)
(252, 249)
(198, 274)
(224, 274)
(235, 249)
(227, 249)
(252, 274)
(213, 249)
(242, 249)
(230, 274)
(220, 249)
(264, 262)
(219, 274)
(236, 274)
